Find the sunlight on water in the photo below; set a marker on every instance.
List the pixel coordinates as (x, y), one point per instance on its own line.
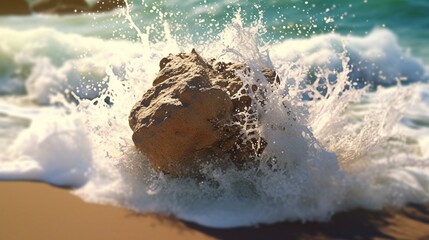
(336, 138)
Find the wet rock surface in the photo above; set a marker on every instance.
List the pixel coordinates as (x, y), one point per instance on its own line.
(59, 6)
(14, 7)
(74, 6)
(196, 112)
(107, 5)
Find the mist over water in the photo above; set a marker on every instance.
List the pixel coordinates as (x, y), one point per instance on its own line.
(66, 92)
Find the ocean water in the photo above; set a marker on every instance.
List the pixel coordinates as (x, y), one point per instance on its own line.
(347, 126)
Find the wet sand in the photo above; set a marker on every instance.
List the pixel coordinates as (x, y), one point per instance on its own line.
(39, 211)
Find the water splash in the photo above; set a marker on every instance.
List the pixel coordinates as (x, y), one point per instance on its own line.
(323, 156)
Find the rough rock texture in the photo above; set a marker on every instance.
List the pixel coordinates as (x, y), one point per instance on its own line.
(187, 117)
(59, 6)
(14, 7)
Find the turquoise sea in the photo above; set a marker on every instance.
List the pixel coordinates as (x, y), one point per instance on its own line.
(366, 147)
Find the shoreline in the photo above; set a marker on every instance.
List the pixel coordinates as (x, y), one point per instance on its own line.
(34, 210)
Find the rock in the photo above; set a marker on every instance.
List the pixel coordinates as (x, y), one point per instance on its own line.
(74, 6)
(190, 116)
(60, 6)
(14, 7)
(107, 5)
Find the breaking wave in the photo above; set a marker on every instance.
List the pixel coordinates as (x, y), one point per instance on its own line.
(337, 139)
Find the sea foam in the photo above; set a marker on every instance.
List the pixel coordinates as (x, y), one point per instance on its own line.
(339, 150)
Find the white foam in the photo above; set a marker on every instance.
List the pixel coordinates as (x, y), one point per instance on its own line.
(43, 62)
(322, 156)
(376, 58)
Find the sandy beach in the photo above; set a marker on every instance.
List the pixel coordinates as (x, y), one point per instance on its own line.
(39, 211)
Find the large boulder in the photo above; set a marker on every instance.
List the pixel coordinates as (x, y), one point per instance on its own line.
(193, 114)
(59, 6)
(14, 7)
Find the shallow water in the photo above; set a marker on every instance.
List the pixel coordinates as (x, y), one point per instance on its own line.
(67, 85)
